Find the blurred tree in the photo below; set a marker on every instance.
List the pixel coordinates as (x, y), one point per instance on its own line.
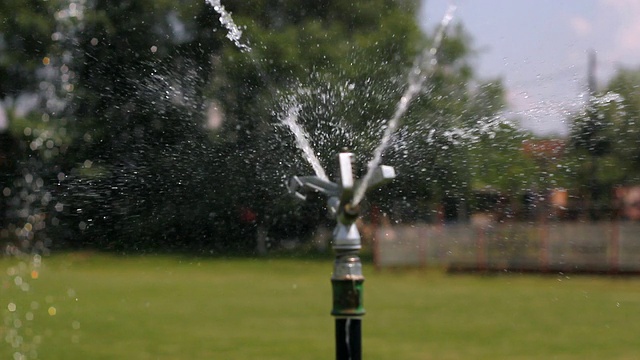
(499, 163)
(34, 84)
(341, 65)
(140, 109)
(446, 127)
(25, 35)
(623, 113)
(605, 142)
(141, 163)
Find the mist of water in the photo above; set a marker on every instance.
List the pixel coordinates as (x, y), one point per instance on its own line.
(423, 67)
(234, 34)
(290, 120)
(31, 198)
(302, 140)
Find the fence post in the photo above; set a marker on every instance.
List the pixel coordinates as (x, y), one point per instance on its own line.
(481, 256)
(543, 233)
(614, 244)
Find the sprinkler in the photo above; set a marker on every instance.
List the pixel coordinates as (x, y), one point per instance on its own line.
(347, 279)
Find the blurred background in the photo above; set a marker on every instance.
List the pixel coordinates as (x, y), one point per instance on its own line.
(140, 127)
(145, 146)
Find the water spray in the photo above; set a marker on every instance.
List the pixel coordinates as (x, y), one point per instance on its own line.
(347, 278)
(422, 69)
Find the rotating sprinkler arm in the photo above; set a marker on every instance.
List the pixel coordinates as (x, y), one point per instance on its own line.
(340, 197)
(346, 180)
(381, 175)
(299, 186)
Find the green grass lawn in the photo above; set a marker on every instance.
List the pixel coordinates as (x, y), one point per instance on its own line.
(93, 306)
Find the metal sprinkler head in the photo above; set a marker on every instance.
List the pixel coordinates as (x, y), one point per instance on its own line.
(340, 197)
(347, 278)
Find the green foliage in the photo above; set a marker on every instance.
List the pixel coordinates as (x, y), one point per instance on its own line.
(605, 140)
(25, 36)
(131, 166)
(499, 163)
(624, 121)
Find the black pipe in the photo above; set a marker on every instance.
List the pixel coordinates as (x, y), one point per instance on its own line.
(348, 339)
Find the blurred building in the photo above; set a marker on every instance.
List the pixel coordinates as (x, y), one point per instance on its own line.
(628, 199)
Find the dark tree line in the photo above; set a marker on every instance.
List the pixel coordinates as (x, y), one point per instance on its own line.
(122, 149)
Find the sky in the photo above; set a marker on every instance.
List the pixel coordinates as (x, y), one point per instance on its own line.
(539, 50)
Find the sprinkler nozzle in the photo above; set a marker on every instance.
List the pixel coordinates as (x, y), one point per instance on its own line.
(340, 194)
(352, 210)
(349, 214)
